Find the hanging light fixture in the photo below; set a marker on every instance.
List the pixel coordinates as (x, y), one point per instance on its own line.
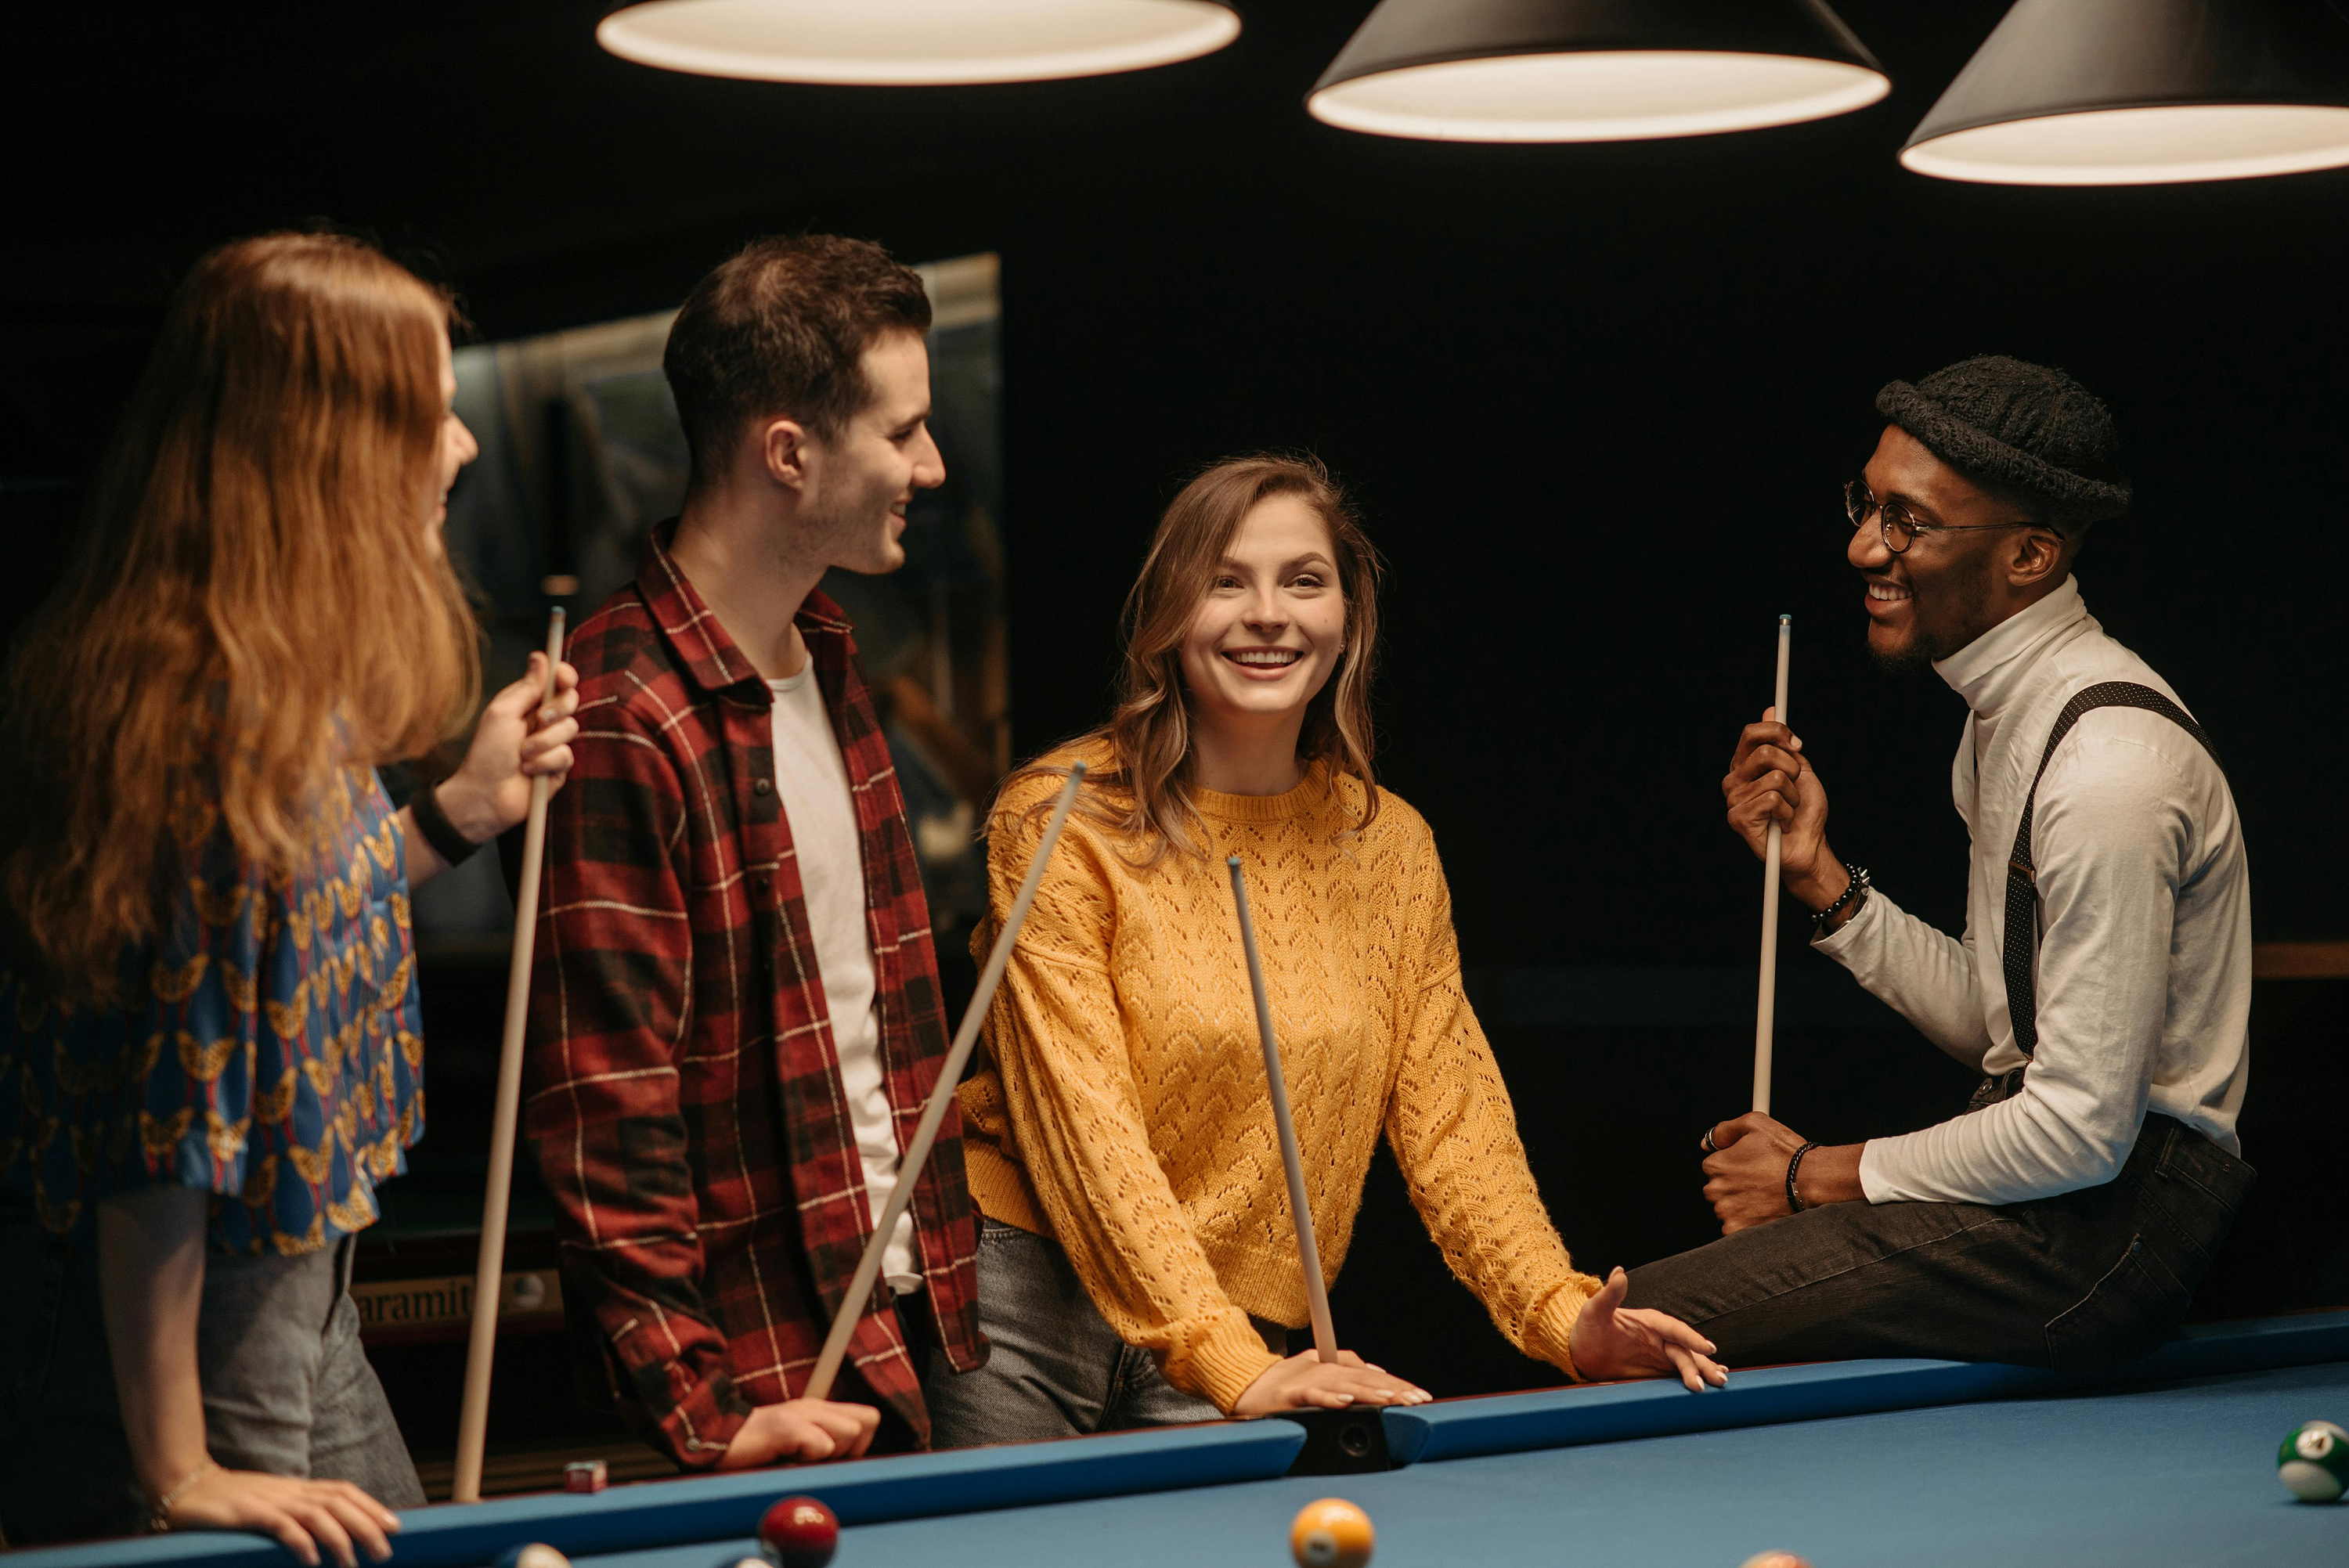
(2139, 92)
(1593, 70)
(915, 43)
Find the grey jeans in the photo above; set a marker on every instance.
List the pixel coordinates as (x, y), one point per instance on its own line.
(1057, 1369)
(2084, 1282)
(287, 1390)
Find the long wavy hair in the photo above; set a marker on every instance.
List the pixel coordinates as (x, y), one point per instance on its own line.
(1143, 789)
(257, 600)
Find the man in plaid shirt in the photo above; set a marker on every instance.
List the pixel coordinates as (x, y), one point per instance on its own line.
(735, 1019)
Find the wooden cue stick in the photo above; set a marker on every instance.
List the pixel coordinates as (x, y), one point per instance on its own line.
(1317, 1293)
(1765, 1007)
(926, 1132)
(489, 1271)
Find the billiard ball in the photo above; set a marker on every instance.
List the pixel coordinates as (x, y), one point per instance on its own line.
(532, 1554)
(799, 1533)
(1774, 1560)
(1331, 1533)
(2313, 1462)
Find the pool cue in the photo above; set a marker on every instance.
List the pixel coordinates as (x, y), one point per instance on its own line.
(1765, 1007)
(489, 1271)
(926, 1133)
(1317, 1293)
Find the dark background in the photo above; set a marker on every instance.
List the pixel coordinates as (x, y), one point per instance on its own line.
(1597, 402)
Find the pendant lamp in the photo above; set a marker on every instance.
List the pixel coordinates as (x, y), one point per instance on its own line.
(915, 43)
(2139, 92)
(1593, 70)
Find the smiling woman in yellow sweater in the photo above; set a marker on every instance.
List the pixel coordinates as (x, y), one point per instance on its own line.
(1138, 1262)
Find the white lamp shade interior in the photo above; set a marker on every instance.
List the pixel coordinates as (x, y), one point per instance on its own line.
(915, 43)
(2148, 146)
(1597, 95)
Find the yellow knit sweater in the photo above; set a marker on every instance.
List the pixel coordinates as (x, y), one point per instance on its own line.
(1121, 1106)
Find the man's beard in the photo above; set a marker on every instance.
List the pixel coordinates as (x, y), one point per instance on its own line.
(1907, 661)
(1923, 649)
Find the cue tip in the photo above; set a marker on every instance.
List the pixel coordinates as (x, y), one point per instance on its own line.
(1783, 620)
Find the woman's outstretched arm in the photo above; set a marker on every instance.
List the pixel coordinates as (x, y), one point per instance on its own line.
(150, 1260)
(1454, 1135)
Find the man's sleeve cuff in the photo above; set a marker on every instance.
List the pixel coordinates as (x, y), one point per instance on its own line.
(698, 1429)
(1839, 943)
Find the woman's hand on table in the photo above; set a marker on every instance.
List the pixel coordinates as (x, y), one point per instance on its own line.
(1611, 1340)
(801, 1431)
(1306, 1379)
(300, 1515)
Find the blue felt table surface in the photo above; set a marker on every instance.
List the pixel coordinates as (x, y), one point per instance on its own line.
(2155, 1478)
(1855, 1461)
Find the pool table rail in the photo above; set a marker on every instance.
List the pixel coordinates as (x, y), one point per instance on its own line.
(1656, 1407)
(720, 1508)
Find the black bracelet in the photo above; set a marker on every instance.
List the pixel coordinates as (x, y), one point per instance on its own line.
(1856, 888)
(439, 831)
(1795, 1198)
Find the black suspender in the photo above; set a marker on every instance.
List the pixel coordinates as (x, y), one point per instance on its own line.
(2019, 944)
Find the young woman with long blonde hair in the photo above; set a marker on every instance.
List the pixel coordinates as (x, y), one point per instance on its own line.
(1138, 1262)
(209, 1050)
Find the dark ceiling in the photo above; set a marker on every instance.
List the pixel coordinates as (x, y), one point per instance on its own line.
(1596, 399)
(553, 181)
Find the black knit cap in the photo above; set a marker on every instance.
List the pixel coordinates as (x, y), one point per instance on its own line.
(2020, 425)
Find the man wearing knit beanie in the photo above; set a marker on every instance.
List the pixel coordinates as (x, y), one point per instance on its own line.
(2102, 983)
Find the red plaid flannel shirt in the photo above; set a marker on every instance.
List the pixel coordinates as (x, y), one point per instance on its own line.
(682, 1090)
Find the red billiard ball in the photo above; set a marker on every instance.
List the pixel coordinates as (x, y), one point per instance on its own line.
(799, 1533)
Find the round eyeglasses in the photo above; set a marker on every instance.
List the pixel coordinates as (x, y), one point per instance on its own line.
(1900, 527)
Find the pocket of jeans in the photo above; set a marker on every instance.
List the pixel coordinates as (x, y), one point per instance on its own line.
(2193, 1160)
(2125, 1314)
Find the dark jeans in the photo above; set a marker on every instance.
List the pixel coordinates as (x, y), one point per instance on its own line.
(1057, 1368)
(286, 1387)
(2084, 1282)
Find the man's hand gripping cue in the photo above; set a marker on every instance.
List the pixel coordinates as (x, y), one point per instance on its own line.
(801, 1431)
(1770, 780)
(1745, 1172)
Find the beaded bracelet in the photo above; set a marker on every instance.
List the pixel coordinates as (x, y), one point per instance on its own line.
(1856, 888)
(1795, 1198)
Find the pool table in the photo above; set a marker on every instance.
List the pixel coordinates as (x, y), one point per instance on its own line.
(1857, 1462)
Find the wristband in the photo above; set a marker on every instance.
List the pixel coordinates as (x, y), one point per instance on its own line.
(1795, 1198)
(439, 831)
(1854, 891)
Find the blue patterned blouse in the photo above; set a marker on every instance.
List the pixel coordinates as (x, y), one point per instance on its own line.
(273, 1057)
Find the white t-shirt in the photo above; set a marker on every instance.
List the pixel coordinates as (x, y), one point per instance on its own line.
(814, 783)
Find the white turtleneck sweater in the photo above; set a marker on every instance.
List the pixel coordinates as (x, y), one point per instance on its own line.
(2143, 975)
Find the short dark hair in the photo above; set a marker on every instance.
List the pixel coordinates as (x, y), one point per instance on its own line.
(780, 328)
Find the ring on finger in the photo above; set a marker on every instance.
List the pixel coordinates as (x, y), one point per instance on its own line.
(1707, 1144)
